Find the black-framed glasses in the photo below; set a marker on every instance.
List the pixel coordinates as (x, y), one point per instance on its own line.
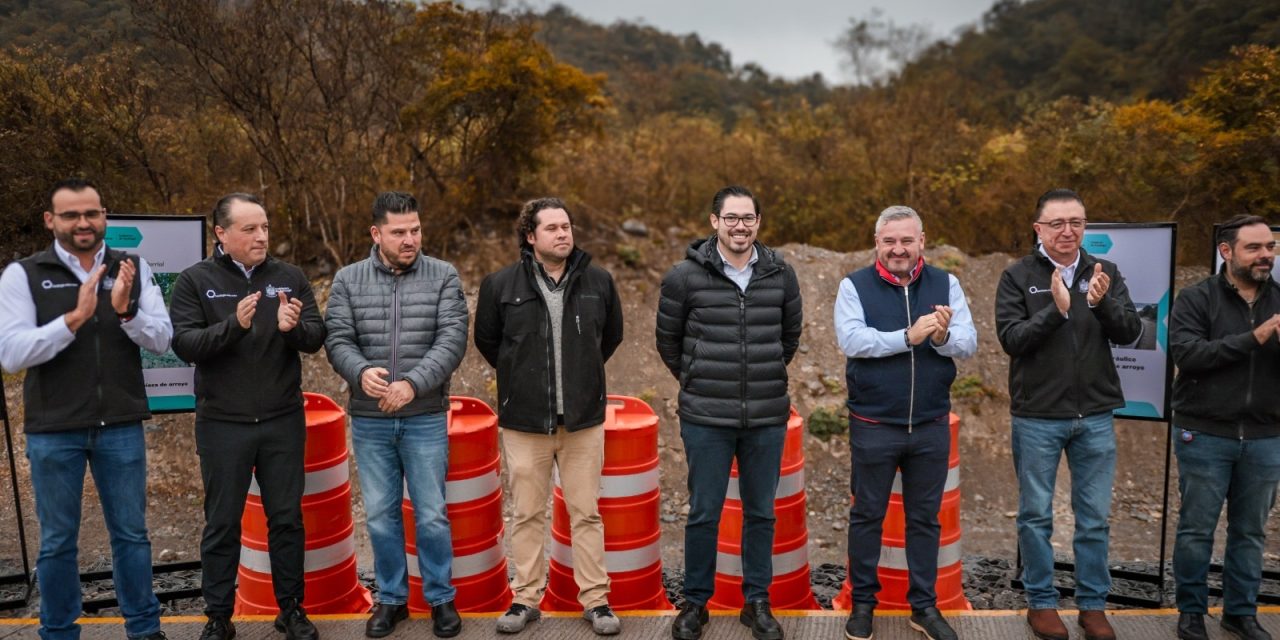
(732, 220)
(1076, 224)
(90, 215)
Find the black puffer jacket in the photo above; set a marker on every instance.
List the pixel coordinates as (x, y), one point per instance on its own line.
(730, 348)
(1062, 367)
(1227, 382)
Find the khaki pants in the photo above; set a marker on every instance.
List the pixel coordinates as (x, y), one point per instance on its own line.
(530, 458)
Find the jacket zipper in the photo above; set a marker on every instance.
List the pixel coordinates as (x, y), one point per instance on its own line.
(742, 342)
(1248, 390)
(248, 291)
(395, 327)
(97, 354)
(911, 396)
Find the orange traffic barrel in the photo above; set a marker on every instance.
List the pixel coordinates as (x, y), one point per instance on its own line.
(331, 584)
(791, 587)
(894, 578)
(473, 501)
(629, 497)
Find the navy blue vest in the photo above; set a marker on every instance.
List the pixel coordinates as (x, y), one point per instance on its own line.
(915, 383)
(95, 381)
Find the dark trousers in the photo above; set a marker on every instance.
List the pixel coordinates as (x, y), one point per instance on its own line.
(877, 452)
(710, 452)
(231, 454)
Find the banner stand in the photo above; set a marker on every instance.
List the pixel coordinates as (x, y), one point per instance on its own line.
(26, 578)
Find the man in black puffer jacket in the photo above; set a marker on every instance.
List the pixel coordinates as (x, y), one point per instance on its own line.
(1222, 334)
(729, 321)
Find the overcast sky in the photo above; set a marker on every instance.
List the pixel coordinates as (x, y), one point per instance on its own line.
(791, 38)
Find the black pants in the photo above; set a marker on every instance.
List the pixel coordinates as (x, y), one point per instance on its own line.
(231, 453)
(877, 452)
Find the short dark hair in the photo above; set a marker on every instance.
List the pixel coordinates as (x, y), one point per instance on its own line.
(1230, 230)
(222, 210)
(74, 183)
(393, 202)
(1056, 195)
(528, 220)
(717, 202)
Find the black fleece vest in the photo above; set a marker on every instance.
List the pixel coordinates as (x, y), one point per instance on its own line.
(915, 383)
(95, 381)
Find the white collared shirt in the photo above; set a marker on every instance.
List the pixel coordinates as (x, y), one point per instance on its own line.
(23, 344)
(1068, 271)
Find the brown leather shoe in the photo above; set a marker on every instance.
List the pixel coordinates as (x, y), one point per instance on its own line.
(1095, 625)
(1047, 624)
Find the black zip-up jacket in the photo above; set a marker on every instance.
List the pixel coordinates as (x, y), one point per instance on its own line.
(513, 333)
(729, 348)
(1228, 385)
(243, 375)
(1062, 367)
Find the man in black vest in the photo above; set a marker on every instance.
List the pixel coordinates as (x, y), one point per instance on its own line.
(242, 317)
(901, 323)
(74, 316)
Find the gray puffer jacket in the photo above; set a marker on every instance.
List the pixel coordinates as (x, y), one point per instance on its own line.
(413, 324)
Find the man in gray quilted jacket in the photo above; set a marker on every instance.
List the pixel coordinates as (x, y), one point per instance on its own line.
(397, 325)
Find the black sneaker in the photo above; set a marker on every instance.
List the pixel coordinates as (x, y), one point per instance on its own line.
(1244, 627)
(929, 621)
(860, 624)
(218, 628)
(445, 621)
(602, 620)
(517, 618)
(295, 625)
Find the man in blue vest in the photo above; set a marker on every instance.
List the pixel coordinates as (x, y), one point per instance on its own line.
(901, 323)
(73, 316)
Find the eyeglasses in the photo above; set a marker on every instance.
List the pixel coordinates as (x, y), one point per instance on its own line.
(90, 215)
(733, 220)
(1076, 224)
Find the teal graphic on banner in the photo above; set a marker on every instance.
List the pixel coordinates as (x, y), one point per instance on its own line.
(124, 237)
(1098, 244)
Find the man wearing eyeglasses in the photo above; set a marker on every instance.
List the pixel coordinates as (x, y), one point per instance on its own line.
(73, 316)
(729, 321)
(1222, 334)
(1058, 311)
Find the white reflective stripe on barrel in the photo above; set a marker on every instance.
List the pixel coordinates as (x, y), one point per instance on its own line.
(464, 566)
(624, 486)
(314, 559)
(317, 481)
(783, 563)
(614, 561)
(953, 480)
(468, 489)
(788, 485)
(896, 557)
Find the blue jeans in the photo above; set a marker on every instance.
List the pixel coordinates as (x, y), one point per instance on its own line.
(1244, 473)
(710, 452)
(117, 457)
(1090, 445)
(391, 454)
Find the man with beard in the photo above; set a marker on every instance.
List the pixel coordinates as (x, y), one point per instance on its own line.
(729, 321)
(242, 318)
(1223, 336)
(397, 324)
(73, 316)
(899, 409)
(547, 324)
(1058, 311)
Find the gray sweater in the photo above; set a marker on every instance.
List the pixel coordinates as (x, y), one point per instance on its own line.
(414, 324)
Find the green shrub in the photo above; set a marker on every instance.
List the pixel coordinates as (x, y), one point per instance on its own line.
(825, 422)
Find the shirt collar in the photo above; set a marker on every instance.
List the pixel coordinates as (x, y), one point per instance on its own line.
(74, 262)
(1066, 267)
(755, 257)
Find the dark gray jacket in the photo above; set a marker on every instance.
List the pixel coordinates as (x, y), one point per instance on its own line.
(413, 324)
(730, 348)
